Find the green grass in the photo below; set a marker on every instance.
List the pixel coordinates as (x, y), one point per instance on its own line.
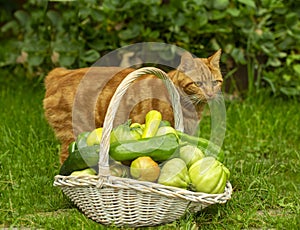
(262, 152)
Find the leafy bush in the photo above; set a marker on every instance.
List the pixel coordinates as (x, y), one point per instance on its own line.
(262, 35)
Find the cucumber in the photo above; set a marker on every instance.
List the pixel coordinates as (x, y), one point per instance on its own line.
(159, 148)
(72, 147)
(81, 140)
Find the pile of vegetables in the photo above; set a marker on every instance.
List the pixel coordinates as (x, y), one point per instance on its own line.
(154, 152)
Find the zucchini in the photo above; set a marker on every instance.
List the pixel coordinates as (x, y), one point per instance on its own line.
(159, 148)
(152, 122)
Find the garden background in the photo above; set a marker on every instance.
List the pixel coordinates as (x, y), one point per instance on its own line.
(260, 41)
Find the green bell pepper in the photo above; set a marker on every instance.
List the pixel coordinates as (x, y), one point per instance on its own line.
(174, 173)
(209, 175)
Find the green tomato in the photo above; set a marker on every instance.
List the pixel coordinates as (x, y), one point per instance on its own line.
(119, 170)
(144, 169)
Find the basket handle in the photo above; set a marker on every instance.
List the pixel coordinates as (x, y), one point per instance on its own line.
(103, 163)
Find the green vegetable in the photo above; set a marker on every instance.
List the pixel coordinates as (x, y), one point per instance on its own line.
(164, 123)
(209, 175)
(136, 125)
(81, 139)
(81, 156)
(174, 173)
(152, 122)
(119, 170)
(136, 132)
(94, 137)
(72, 147)
(123, 133)
(159, 148)
(80, 159)
(166, 129)
(85, 172)
(190, 154)
(209, 148)
(144, 169)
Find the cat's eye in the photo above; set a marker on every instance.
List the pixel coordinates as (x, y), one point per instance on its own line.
(199, 83)
(215, 83)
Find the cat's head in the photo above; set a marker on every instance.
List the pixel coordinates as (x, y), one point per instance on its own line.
(202, 79)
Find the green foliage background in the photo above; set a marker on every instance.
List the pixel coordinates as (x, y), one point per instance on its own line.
(261, 36)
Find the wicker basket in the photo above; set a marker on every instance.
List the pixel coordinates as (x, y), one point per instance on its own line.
(119, 201)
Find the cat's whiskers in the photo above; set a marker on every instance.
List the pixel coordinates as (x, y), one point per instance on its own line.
(217, 97)
(186, 100)
(196, 99)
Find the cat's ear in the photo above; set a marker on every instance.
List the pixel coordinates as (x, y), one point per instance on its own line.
(187, 62)
(214, 59)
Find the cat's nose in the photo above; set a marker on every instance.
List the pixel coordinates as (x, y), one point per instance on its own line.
(209, 95)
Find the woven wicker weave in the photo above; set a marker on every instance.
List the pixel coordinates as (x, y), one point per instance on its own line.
(126, 202)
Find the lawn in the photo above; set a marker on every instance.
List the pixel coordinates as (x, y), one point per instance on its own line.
(262, 152)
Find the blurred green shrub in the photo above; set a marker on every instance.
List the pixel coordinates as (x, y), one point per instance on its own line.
(262, 35)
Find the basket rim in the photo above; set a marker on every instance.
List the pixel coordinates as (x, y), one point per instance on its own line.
(99, 182)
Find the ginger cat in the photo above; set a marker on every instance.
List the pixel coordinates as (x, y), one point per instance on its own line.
(76, 100)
